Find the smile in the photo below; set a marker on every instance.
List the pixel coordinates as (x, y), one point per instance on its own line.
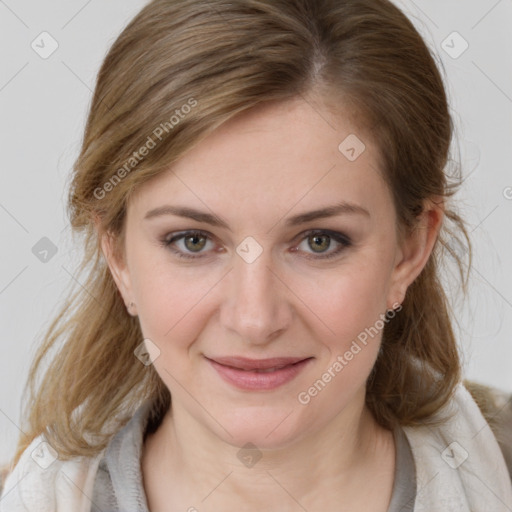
(258, 375)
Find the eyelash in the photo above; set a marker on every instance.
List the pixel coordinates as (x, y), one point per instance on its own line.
(340, 238)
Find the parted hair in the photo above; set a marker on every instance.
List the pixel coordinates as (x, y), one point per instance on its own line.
(179, 70)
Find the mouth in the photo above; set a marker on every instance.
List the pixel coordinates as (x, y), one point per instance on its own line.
(269, 364)
(258, 374)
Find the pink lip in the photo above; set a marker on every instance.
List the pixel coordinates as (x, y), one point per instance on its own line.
(244, 363)
(242, 372)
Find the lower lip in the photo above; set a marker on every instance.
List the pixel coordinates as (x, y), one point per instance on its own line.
(250, 380)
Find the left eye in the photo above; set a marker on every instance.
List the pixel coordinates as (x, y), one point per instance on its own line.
(190, 244)
(320, 241)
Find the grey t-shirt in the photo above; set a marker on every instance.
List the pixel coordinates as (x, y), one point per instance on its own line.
(119, 488)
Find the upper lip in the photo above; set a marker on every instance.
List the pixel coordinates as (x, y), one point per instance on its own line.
(244, 363)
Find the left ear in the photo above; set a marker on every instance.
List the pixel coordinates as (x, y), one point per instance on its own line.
(414, 251)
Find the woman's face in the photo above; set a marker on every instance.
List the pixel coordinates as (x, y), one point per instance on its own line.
(291, 252)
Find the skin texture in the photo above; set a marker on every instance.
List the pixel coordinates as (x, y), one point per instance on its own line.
(254, 172)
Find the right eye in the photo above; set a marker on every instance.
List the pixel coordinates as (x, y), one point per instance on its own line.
(187, 243)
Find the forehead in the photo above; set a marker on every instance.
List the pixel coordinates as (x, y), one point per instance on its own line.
(297, 154)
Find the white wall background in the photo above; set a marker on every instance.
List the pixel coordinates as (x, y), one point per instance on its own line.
(43, 105)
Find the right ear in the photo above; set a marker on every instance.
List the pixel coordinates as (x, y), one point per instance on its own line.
(115, 261)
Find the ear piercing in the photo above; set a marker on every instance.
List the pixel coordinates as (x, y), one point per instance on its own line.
(130, 307)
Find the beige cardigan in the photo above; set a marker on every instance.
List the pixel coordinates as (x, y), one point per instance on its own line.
(496, 407)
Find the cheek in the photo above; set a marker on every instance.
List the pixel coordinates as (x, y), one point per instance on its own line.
(170, 300)
(347, 301)
(350, 307)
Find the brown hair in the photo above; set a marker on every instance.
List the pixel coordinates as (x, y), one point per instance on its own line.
(180, 69)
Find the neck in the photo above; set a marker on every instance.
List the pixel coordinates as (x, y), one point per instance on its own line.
(206, 469)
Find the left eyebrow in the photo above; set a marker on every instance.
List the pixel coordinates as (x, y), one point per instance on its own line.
(329, 211)
(302, 218)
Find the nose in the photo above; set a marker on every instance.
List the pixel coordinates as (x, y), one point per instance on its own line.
(255, 303)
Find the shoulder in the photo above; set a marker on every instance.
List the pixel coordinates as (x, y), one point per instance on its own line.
(42, 482)
(496, 407)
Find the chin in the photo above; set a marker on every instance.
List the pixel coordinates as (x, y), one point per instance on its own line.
(264, 428)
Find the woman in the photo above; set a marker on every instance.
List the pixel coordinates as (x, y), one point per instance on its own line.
(263, 195)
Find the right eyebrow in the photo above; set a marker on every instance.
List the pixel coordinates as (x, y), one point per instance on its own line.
(189, 213)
